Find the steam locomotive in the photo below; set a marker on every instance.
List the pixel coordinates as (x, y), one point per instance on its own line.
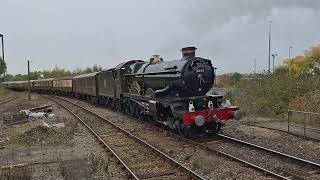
(169, 93)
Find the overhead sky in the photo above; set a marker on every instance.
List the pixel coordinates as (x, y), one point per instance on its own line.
(80, 33)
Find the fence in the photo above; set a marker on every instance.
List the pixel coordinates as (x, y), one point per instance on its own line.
(307, 122)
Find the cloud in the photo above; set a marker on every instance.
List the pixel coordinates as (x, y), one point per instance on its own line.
(205, 16)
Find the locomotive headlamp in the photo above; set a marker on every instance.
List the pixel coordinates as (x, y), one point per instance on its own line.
(191, 107)
(199, 120)
(210, 105)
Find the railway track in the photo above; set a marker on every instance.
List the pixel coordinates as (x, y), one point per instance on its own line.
(288, 166)
(7, 100)
(148, 129)
(140, 159)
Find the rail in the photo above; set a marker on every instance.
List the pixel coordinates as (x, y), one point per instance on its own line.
(8, 100)
(307, 162)
(137, 139)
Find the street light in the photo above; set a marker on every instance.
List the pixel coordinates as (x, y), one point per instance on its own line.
(4, 68)
(273, 56)
(270, 22)
(290, 47)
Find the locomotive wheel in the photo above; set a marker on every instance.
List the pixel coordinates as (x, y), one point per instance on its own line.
(131, 108)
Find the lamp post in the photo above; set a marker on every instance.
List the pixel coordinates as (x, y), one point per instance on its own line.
(270, 22)
(289, 66)
(4, 68)
(273, 57)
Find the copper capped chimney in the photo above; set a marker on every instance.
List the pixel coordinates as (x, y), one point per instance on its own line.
(188, 52)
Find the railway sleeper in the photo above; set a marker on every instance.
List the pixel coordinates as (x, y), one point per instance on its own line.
(149, 164)
(148, 175)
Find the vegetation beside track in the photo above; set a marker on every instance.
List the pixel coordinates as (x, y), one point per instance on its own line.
(2, 90)
(272, 94)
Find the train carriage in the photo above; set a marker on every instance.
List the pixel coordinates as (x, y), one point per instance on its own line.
(18, 85)
(85, 86)
(43, 85)
(62, 85)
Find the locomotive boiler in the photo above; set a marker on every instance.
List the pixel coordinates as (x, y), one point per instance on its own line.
(189, 76)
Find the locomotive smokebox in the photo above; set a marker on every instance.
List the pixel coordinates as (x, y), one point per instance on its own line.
(188, 52)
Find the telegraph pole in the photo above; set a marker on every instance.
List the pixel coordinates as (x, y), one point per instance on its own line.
(29, 85)
(290, 60)
(270, 22)
(4, 68)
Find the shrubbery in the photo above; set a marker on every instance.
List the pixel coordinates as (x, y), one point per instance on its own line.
(272, 94)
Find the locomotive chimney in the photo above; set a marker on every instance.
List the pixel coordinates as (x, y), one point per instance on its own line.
(188, 52)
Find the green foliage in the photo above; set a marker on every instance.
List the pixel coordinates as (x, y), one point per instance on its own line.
(3, 66)
(2, 90)
(271, 94)
(229, 80)
(236, 78)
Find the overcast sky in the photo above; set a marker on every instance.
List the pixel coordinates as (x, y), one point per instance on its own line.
(79, 33)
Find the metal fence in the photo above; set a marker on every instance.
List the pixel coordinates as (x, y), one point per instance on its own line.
(307, 123)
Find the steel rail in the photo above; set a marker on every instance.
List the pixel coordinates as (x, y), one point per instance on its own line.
(210, 150)
(97, 136)
(137, 139)
(271, 150)
(279, 176)
(8, 100)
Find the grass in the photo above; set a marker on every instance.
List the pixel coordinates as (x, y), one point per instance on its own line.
(2, 90)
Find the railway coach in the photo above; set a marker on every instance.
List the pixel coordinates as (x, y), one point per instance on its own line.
(18, 85)
(62, 86)
(42, 85)
(85, 86)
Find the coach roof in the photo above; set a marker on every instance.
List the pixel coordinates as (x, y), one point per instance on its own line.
(64, 78)
(86, 75)
(42, 80)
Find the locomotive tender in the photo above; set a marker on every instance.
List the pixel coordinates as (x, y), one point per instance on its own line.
(171, 93)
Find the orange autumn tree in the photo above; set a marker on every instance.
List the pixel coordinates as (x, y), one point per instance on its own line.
(309, 63)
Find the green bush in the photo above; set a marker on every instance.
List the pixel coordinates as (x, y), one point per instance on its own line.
(271, 94)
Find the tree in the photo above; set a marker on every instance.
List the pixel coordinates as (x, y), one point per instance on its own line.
(3, 66)
(236, 77)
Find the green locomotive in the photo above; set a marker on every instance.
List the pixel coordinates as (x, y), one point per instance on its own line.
(172, 93)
